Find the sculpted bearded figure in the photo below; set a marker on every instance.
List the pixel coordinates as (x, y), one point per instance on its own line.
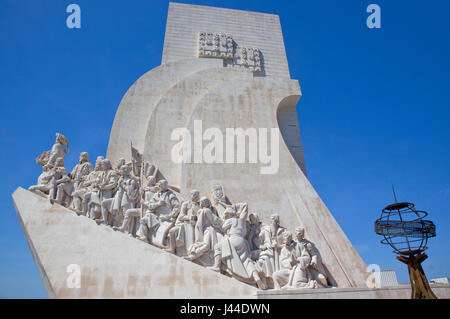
(181, 236)
(207, 232)
(316, 270)
(272, 242)
(220, 201)
(78, 175)
(162, 212)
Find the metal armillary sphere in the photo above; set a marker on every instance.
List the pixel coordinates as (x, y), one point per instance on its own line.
(406, 231)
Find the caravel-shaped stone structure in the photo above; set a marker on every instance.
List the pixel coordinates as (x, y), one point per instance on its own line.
(227, 68)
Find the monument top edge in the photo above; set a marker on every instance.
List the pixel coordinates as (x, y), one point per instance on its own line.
(209, 7)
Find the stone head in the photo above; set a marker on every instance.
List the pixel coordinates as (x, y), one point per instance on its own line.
(254, 220)
(287, 237)
(205, 202)
(84, 157)
(299, 233)
(125, 170)
(120, 162)
(275, 218)
(217, 194)
(162, 185)
(106, 164)
(99, 162)
(151, 181)
(195, 195)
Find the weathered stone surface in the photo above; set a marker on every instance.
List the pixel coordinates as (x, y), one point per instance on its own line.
(398, 292)
(113, 265)
(243, 86)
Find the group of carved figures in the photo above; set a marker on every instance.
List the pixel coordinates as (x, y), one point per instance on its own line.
(222, 46)
(133, 198)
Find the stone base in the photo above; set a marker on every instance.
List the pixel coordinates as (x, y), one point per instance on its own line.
(112, 264)
(398, 292)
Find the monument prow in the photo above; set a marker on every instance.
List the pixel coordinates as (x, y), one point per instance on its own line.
(112, 264)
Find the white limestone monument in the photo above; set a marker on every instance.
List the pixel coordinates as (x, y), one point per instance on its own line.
(198, 196)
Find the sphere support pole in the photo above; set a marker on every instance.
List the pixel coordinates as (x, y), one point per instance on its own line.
(420, 288)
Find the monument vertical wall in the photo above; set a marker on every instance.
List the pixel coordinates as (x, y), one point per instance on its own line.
(224, 92)
(249, 29)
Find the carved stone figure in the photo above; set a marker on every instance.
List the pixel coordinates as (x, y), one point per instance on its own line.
(272, 238)
(316, 269)
(78, 175)
(254, 229)
(294, 263)
(207, 232)
(43, 186)
(148, 171)
(110, 179)
(49, 157)
(127, 195)
(119, 164)
(92, 197)
(162, 212)
(182, 235)
(220, 201)
(60, 184)
(134, 214)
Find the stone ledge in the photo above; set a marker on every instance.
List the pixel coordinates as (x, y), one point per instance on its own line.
(397, 292)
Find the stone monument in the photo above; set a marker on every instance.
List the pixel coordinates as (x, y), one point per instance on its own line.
(176, 208)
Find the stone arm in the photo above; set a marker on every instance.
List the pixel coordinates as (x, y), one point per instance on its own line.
(226, 225)
(216, 222)
(315, 257)
(73, 173)
(286, 261)
(111, 182)
(120, 184)
(183, 216)
(154, 203)
(87, 181)
(64, 177)
(305, 259)
(242, 208)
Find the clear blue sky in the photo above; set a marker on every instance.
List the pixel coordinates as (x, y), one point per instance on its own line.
(375, 105)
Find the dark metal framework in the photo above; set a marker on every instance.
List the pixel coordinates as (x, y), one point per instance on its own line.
(406, 231)
(404, 228)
